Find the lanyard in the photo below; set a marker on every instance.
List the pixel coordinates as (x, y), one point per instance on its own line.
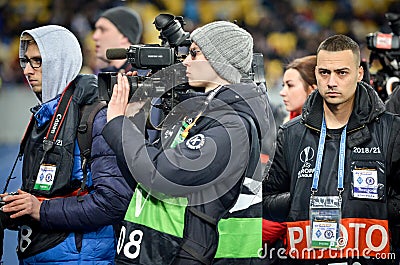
(184, 130)
(320, 153)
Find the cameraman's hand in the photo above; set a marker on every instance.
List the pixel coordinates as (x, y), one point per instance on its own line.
(118, 104)
(22, 204)
(119, 98)
(133, 108)
(131, 73)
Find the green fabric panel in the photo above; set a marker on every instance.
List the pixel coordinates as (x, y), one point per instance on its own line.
(239, 238)
(166, 216)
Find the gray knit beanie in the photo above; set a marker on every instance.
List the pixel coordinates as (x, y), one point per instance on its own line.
(227, 47)
(127, 21)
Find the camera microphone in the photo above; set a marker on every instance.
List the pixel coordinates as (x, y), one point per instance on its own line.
(116, 54)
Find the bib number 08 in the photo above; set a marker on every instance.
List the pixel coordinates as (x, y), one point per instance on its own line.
(132, 247)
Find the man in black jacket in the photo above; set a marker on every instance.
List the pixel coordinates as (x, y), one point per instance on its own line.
(338, 161)
(197, 199)
(393, 103)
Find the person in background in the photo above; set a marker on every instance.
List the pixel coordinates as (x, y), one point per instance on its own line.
(117, 27)
(298, 82)
(120, 27)
(339, 162)
(67, 205)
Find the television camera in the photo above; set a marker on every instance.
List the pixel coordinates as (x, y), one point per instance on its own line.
(385, 47)
(170, 83)
(153, 57)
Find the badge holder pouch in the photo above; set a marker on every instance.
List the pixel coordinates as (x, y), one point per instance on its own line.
(325, 216)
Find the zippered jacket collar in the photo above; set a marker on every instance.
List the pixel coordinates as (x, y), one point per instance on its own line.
(367, 107)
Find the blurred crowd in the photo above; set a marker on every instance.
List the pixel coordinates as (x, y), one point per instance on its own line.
(282, 29)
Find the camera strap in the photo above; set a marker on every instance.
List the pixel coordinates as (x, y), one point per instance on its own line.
(58, 119)
(21, 151)
(62, 108)
(10, 177)
(184, 130)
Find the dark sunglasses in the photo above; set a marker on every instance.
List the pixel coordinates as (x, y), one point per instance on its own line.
(193, 53)
(35, 62)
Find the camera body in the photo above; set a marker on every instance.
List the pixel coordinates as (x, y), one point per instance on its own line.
(2, 203)
(162, 84)
(154, 57)
(385, 47)
(150, 56)
(11, 223)
(383, 41)
(379, 41)
(171, 78)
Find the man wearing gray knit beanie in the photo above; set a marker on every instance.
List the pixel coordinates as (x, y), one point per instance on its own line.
(227, 47)
(118, 27)
(199, 200)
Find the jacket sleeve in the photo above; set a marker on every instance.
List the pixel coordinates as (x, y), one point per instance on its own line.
(276, 186)
(394, 177)
(219, 153)
(106, 204)
(393, 103)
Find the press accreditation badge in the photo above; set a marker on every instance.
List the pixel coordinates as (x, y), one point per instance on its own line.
(365, 183)
(45, 177)
(325, 215)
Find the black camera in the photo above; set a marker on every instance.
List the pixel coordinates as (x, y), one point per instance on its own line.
(160, 85)
(151, 56)
(155, 56)
(144, 56)
(385, 47)
(2, 203)
(386, 41)
(11, 223)
(169, 83)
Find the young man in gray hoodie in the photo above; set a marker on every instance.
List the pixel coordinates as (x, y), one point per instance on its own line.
(66, 206)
